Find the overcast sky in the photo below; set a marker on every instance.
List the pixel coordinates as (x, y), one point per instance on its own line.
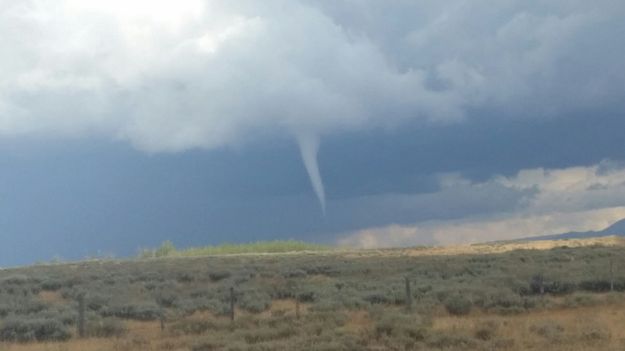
(360, 123)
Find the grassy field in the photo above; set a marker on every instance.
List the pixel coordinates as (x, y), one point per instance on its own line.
(565, 295)
(167, 249)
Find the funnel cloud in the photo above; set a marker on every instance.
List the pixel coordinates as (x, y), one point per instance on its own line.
(309, 148)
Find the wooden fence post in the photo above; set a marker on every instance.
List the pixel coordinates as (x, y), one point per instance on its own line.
(232, 304)
(611, 274)
(408, 294)
(81, 315)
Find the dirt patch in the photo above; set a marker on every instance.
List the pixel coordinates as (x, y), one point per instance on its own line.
(52, 297)
(284, 307)
(358, 321)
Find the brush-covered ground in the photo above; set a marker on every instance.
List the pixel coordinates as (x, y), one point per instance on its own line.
(502, 296)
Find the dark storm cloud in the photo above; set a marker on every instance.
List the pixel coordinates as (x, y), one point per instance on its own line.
(202, 74)
(182, 119)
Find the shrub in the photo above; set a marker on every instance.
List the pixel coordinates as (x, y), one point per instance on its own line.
(28, 306)
(600, 285)
(581, 299)
(96, 302)
(486, 331)
(400, 325)
(219, 275)
(51, 285)
(326, 305)
(263, 334)
(138, 312)
(63, 314)
(185, 278)
(207, 345)
(458, 305)
(106, 328)
(321, 270)
(376, 298)
(166, 249)
(307, 296)
(20, 330)
(294, 273)
(548, 329)
(196, 327)
(166, 299)
(504, 299)
(255, 302)
(446, 341)
(595, 333)
(553, 287)
(328, 319)
(16, 279)
(189, 306)
(560, 288)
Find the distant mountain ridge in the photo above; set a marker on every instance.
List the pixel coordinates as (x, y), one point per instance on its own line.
(616, 229)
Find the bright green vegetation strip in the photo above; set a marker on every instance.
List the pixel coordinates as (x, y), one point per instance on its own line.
(167, 249)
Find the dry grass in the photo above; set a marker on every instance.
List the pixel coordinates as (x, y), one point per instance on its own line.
(583, 328)
(52, 297)
(358, 322)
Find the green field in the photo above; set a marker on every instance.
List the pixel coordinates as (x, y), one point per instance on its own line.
(167, 249)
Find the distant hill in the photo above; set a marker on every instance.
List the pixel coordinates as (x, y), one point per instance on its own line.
(616, 229)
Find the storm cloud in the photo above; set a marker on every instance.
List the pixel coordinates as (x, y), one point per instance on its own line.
(383, 99)
(204, 74)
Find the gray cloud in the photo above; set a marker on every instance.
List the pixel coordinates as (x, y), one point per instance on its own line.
(172, 76)
(202, 74)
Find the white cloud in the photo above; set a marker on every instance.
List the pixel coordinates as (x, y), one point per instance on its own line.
(170, 76)
(570, 189)
(482, 230)
(554, 201)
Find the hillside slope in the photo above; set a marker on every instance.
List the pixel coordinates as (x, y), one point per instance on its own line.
(616, 229)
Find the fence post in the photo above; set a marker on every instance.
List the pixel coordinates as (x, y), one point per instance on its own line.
(408, 294)
(81, 315)
(611, 274)
(162, 320)
(232, 304)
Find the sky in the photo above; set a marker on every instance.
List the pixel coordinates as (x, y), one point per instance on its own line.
(355, 123)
